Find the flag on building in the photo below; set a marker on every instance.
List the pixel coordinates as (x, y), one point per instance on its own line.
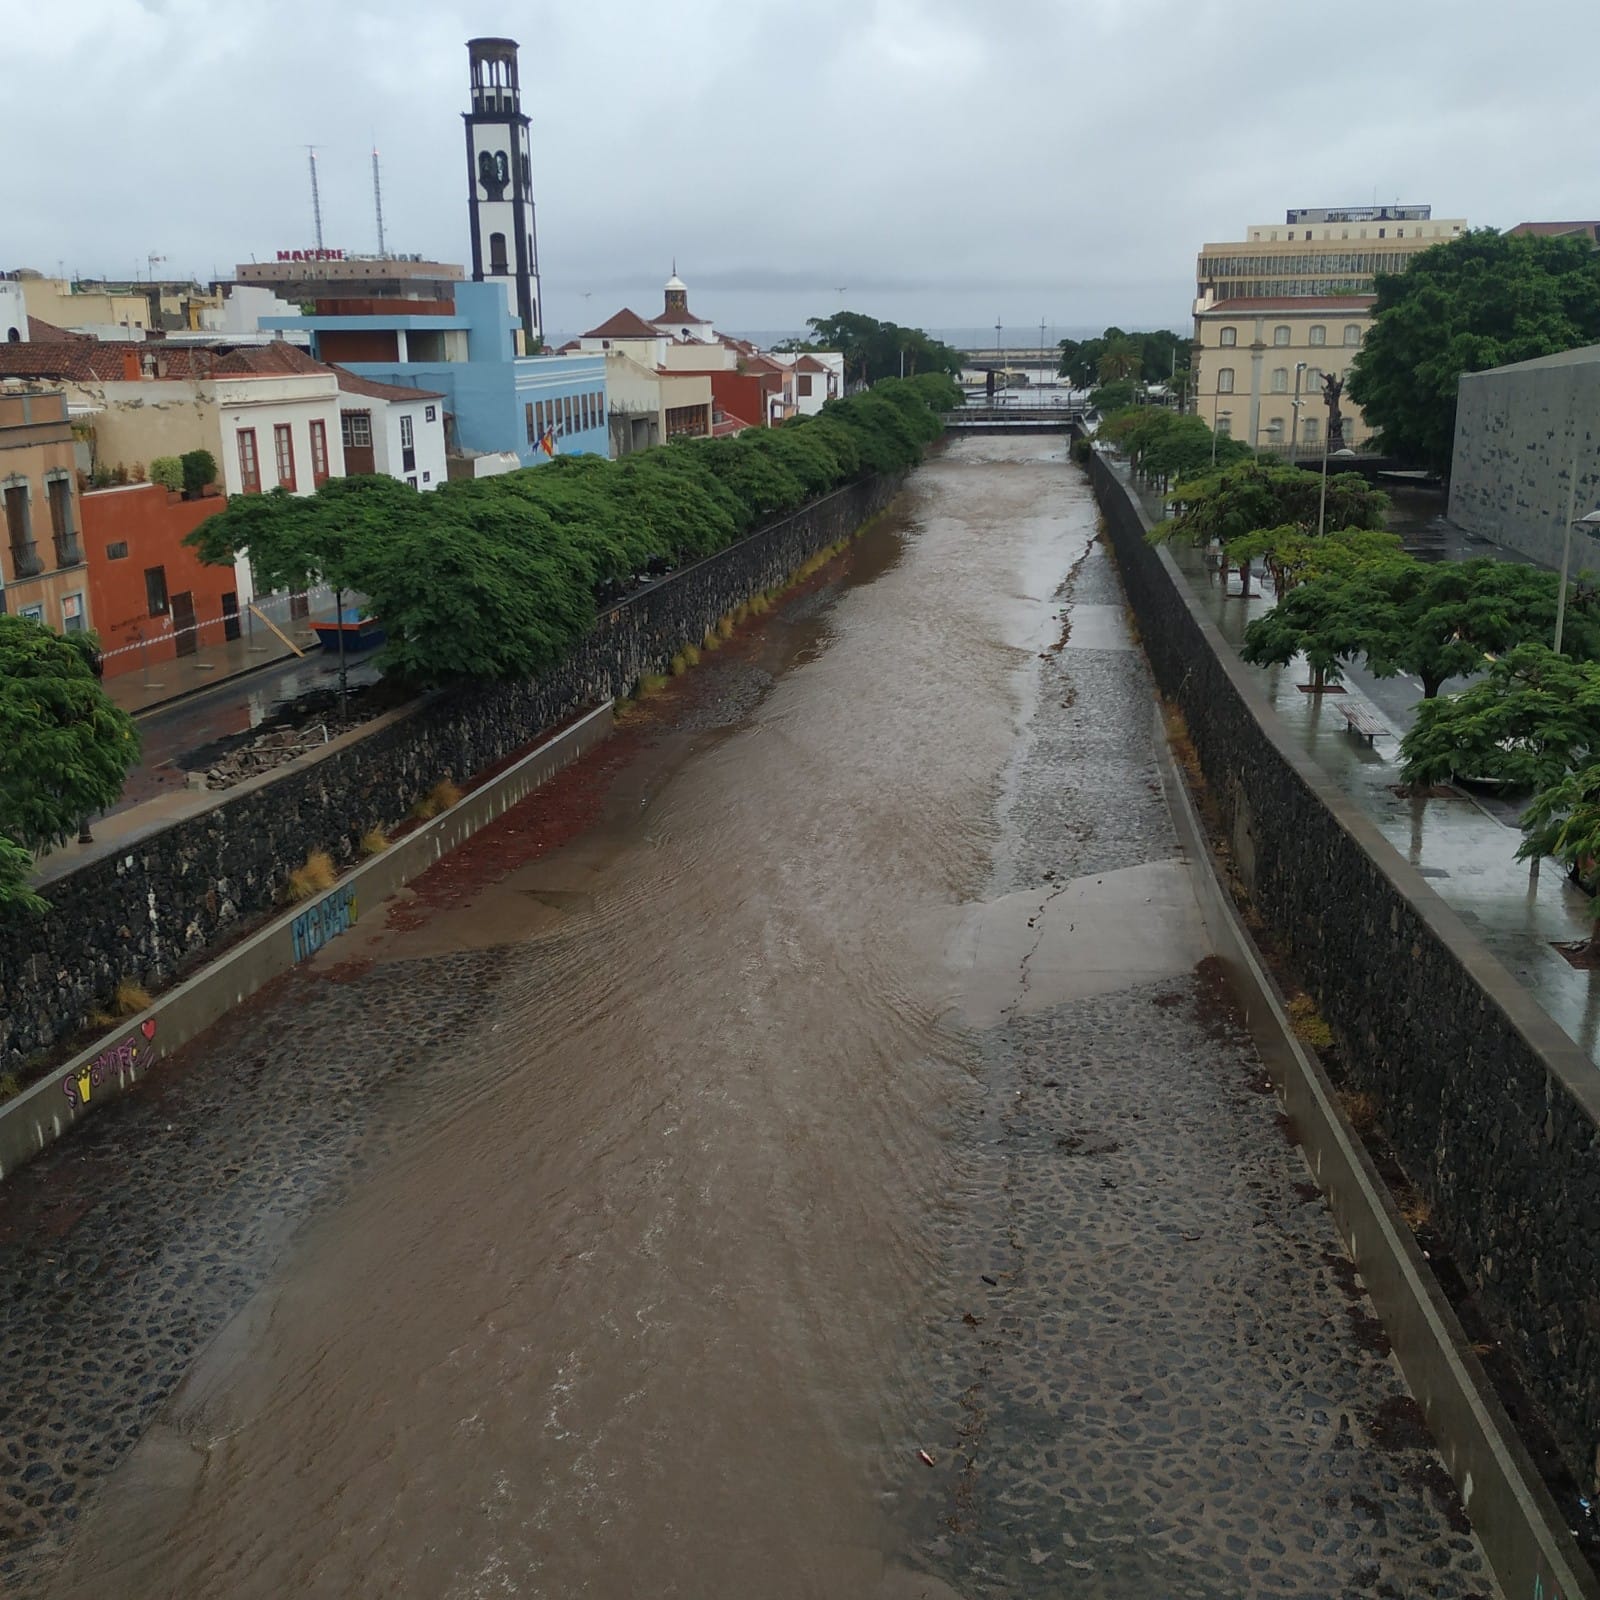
(548, 443)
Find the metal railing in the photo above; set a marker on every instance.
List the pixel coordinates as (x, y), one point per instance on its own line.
(25, 562)
(69, 553)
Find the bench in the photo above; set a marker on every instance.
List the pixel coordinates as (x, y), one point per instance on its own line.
(1360, 722)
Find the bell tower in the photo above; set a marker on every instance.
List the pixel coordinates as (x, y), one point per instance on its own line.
(500, 183)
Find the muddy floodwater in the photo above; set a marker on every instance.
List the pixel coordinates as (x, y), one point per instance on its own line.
(806, 1152)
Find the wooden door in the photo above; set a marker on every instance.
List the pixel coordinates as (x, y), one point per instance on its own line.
(186, 636)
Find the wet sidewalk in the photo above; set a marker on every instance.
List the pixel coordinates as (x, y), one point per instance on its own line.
(1465, 844)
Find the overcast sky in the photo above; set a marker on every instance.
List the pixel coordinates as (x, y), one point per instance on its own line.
(938, 163)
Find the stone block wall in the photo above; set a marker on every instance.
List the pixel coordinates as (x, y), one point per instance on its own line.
(1493, 1110)
(1512, 465)
(155, 907)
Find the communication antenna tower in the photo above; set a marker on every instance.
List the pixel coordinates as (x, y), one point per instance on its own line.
(316, 198)
(377, 200)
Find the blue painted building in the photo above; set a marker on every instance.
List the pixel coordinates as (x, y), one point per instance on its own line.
(495, 400)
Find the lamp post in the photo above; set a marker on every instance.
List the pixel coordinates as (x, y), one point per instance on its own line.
(1589, 524)
(1322, 498)
(1294, 425)
(1217, 418)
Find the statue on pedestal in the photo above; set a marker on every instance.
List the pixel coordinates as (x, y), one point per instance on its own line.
(1332, 388)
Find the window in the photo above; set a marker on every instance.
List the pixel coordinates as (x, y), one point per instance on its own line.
(802, 385)
(117, 551)
(1224, 426)
(1225, 380)
(427, 477)
(583, 413)
(249, 468)
(566, 412)
(1280, 335)
(35, 612)
(407, 433)
(356, 427)
(412, 480)
(1280, 380)
(537, 413)
(72, 618)
(1229, 337)
(283, 449)
(530, 414)
(1313, 378)
(497, 256)
(430, 413)
(1352, 333)
(59, 491)
(155, 591)
(1311, 429)
(319, 452)
(1319, 334)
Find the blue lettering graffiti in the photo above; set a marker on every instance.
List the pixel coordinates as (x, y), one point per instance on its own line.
(327, 919)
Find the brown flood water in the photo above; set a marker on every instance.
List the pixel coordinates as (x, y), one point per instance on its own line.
(639, 1314)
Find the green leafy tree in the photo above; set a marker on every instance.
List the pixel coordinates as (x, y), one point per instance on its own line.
(1294, 554)
(1532, 718)
(65, 748)
(1478, 301)
(1114, 396)
(1563, 821)
(168, 472)
(874, 350)
(1152, 355)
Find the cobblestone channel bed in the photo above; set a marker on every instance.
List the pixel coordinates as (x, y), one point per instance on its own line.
(1164, 1376)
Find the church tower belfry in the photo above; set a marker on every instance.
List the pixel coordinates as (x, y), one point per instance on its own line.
(505, 246)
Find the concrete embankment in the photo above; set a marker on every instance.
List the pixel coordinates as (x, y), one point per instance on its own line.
(1489, 1105)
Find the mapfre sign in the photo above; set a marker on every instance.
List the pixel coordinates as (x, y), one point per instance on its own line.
(311, 255)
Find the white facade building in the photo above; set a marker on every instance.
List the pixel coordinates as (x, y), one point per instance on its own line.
(13, 312)
(392, 429)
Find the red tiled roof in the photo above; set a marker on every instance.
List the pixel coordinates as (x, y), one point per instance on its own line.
(91, 361)
(354, 383)
(1558, 228)
(625, 324)
(810, 364)
(42, 332)
(672, 319)
(728, 425)
(1291, 302)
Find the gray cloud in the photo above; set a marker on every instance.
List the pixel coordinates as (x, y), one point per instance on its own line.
(951, 163)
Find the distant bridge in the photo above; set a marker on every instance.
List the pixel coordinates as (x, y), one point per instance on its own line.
(1014, 419)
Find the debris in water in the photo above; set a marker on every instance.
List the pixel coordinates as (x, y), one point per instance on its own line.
(925, 1458)
(994, 1283)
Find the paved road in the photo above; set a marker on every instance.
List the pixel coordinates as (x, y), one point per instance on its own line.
(805, 1152)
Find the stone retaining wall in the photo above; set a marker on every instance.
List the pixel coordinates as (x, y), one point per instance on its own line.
(1491, 1107)
(150, 910)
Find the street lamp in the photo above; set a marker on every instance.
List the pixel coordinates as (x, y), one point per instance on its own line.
(1294, 427)
(1322, 498)
(1216, 431)
(1589, 524)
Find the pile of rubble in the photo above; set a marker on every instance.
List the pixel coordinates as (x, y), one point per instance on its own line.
(262, 754)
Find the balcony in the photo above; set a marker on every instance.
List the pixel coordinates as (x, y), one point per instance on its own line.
(25, 562)
(69, 553)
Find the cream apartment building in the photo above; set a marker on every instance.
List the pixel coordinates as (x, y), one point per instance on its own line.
(1278, 310)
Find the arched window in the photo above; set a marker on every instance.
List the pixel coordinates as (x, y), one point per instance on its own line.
(1225, 380)
(1313, 378)
(1319, 334)
(1228, 336)
(497, 256)
(1352, 333)
(1280, 380)
(13, 336)
(1280, 334)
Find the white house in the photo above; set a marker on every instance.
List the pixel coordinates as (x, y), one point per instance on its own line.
(393, 429)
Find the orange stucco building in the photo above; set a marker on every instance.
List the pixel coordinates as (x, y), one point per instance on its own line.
(154, 599)
(42, 571)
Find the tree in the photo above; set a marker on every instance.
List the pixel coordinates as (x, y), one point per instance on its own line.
(1436, 620)
(874, 350)
(1475, 302)
(65, 748)
(1532, 718)
(1116, 396)
(1294, 554)
(16, 864)
(1153, 355)
(1563, 821)
(1162, 444)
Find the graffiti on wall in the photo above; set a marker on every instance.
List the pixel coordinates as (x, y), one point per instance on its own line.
(81, 1085)
(332, 915)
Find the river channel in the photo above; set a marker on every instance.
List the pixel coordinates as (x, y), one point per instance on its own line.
(807, 1152)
